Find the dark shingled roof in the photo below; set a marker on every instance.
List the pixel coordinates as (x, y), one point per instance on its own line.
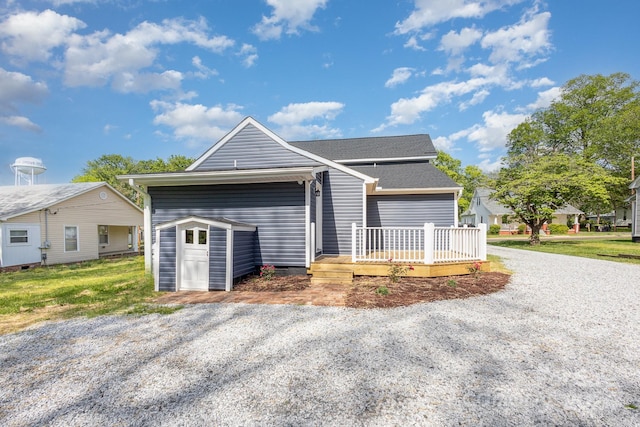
(407, 175)
(380, 147)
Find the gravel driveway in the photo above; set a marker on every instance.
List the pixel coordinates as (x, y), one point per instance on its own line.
(559, 346)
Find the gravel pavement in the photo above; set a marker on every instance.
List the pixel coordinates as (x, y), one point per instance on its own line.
(559, 346)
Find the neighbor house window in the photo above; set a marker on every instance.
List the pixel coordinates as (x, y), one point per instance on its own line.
(70, 238)
(18, 236)
(103, 234)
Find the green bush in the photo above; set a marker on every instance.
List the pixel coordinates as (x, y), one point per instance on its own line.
(522, 228)
(558, 228)
(494, 229)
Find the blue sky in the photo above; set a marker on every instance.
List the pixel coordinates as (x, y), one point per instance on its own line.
(147, 79)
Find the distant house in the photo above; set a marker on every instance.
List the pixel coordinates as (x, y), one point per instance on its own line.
(635, 210)
(483, 209)
(254, 199)
(61, 223)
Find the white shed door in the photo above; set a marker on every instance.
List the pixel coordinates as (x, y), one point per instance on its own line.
(194, 268)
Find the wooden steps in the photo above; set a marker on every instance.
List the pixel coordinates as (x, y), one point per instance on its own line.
(336, 274)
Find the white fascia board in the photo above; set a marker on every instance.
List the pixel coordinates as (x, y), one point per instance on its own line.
(384, 159)
(388, 191)
(222, 177)
(278, 140)
(206, 221)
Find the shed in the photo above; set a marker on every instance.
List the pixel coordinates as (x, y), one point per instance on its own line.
(202, 254)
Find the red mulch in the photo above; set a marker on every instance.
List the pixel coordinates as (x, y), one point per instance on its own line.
(407, 291)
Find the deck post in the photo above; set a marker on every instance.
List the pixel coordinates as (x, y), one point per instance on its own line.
(482, 241)
(429, 237)
(353, 242)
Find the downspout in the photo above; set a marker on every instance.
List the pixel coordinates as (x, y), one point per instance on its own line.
(148, 240)
(46, 244)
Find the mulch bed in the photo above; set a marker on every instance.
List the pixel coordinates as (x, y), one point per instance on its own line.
(407, 291)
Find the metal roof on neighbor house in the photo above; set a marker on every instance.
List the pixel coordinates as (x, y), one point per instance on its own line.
(361, 149)
(407, 175)
(19, 200)
(495, 208)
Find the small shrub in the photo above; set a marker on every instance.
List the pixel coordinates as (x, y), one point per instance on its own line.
(267, 272)
(475, 268)
(396, 270)
(494, 229)
(522, 228)
(452, 283)
(558, 228)
(382, 290)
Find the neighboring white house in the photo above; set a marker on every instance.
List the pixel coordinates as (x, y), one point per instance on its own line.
(60, 223)
(635, 210)
(483, 209)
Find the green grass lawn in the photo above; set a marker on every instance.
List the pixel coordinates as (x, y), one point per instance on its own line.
(86, 289)
(587, 248)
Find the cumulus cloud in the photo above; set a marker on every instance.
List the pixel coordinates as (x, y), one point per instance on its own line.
(31, 36)
(196, 123)
(15, 89)
(454, 43)
(293, 119)
(492, 134)
(400, 75)
(249, 53)
(544, 99)
(430, 12)
(20, 122)
(288, 16)
(543, 81)
(522, 41)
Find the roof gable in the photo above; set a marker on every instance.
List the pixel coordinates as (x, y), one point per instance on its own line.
(21, 200)
(495, 208)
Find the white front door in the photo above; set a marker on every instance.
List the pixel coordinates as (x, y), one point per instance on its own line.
(194, 268)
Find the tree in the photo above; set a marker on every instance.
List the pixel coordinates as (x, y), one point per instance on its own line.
(469, 178)
(596, 117)
(108, 166)
(534, 188)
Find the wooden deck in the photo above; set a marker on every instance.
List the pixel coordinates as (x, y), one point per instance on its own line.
(341, 268)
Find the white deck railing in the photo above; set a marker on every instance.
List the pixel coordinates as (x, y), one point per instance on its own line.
(428, 244)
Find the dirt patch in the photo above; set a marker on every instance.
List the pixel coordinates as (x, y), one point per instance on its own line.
(367, 291)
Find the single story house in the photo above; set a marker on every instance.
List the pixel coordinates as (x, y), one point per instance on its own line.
(254, 199)
(62, 223)
(635, 210)
(483, 209)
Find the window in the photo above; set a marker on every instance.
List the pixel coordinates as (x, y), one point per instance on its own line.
(103, 234)
(189, 236)
(202, 237)
(18, 236)
(71, 238)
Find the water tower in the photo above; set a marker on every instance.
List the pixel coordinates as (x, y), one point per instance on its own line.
(26, 170)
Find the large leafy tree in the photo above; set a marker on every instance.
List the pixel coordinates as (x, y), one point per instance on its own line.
(107, 167)
(597, 118)
(535, 187)
(469, 177)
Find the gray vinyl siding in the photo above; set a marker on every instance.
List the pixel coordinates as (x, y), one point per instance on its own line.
(413, 210)
(243, 263)
(342, 206)
(217, 258)
(167, 257)
(252, 149)
(277, 209)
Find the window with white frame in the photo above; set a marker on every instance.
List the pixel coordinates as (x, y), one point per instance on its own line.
(71, 238)
(18, 237)
(103, 234)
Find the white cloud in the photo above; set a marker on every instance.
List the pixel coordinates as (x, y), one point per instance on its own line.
(250, 54)
(288, 16)
(30, 36)
(98, 58)
(430, 12)
(292, 117)
(543, 81)
(196, 123)
(21, 122)
(17, 88)
(203, 71)
(443, 143)
(493, 133)
(522, 41)
(476, 99)
(399, 76)
(412, 43)
(455, 43)
(545, 98)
